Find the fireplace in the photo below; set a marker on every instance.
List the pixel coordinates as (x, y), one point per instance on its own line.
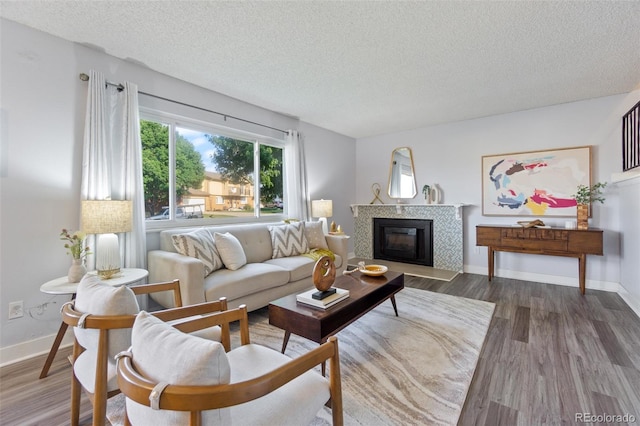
(403, 240)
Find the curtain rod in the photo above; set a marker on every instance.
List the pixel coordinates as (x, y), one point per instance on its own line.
(85, 77)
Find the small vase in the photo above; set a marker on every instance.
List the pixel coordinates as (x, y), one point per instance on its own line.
(583, 216)
(76, 271)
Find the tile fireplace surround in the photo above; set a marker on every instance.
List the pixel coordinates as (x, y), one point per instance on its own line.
(447, 229)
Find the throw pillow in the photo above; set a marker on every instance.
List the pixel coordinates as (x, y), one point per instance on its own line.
(199, 244)
(315, 235)
(288, 240)
(95, 297)
(230, 250)
(165, 354)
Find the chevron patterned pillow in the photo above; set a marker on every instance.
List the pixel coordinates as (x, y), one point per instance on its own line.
(288, 240)
(199, 244)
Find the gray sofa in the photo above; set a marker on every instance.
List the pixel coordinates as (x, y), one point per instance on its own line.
(261, 280)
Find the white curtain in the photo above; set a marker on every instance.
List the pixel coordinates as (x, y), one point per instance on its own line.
(112, 160)
(297, 191)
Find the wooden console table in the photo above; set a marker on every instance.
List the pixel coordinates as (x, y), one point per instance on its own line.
(548, 241)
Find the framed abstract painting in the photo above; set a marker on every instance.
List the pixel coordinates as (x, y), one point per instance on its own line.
(534, 183)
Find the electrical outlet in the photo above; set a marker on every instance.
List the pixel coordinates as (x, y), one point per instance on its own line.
(16, 309)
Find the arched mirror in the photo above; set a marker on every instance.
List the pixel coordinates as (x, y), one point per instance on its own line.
(402, 178)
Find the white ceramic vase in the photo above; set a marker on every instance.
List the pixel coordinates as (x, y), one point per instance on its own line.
(76, 271)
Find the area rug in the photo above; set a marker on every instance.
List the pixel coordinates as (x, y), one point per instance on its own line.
(411, 369)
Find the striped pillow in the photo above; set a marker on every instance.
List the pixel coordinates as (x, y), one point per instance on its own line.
(288, 240)
(199, 244)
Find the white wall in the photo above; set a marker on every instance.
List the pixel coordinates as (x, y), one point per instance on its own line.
(331, 172)
(450, 155)
(42, 113)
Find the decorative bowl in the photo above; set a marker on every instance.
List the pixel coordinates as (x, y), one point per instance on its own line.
(373, 270)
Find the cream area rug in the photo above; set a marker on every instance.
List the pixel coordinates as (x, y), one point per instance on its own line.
(412, 369)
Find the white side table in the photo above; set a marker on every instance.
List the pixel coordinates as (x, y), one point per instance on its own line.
(63, 286)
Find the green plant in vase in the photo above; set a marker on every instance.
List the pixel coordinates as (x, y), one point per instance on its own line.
(584, 196)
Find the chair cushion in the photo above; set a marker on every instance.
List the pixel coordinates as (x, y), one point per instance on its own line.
(199, 244)
(165, 354)
(85, 371)
(230, 251)
(97, 298)
(288, 240)
(315, 235)
(295, 403)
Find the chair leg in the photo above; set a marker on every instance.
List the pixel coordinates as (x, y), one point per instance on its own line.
(75, 400)
(75, 387)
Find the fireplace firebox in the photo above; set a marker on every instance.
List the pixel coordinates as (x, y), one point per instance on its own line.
(403, 240)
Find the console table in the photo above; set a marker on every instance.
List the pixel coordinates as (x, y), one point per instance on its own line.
(548, 241)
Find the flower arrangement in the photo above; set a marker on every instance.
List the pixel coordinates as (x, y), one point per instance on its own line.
(589, 194)
(75, 244)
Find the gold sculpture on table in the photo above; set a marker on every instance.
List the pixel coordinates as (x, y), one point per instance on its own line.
(324, 274)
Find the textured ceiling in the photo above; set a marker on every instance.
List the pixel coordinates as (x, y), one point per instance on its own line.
(367, 68)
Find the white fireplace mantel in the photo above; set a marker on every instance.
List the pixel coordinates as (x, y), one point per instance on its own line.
(448, 245)
(400, 208)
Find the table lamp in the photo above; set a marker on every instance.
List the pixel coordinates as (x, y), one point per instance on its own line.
(106, 218)
(322, 209)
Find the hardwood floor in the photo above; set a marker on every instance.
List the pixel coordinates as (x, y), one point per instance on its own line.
(550, 354)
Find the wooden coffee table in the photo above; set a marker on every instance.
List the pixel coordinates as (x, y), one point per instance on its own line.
(365, 293)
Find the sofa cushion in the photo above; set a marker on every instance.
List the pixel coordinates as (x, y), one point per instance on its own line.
(299, 267)
(315, 235)
(252, 278)
(230, 251)
(288, 240)
(199, 244)
(153, 344)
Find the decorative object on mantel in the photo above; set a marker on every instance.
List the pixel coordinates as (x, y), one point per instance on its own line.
(584, 196)
(435, 194)
(426, 191)
(375, 188)
(324, 275)
(79, 251)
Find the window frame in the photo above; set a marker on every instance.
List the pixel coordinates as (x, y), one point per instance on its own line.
(175, 121)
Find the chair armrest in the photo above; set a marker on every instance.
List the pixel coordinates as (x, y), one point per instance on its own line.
(197, 398)
(158, 287)
(168, 266)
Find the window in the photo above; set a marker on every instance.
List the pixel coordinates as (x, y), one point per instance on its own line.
(194, 170)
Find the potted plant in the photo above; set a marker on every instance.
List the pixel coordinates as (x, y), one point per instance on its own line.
(78, 251)
(584, 196)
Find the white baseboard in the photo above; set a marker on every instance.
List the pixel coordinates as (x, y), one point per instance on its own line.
(632, 300)
(32, 348)
(547, 279)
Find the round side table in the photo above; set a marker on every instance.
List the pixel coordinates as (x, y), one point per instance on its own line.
(63, 286)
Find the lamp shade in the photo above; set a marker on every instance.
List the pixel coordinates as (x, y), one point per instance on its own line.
(321, 208)
(106, 216)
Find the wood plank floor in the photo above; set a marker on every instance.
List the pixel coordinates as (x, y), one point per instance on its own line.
(550, 353)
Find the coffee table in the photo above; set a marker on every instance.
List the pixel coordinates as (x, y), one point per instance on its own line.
(365, 293)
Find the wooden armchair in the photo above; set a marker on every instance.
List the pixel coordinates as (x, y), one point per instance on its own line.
(250, 384)
(102, 317)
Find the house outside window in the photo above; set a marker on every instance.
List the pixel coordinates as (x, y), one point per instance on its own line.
(197, 171)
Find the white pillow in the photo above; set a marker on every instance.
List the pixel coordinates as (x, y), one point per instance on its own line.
(165, 354)
(230, 250)
(97, 298)
(288, 240)
(199, 244)
(315, 235)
